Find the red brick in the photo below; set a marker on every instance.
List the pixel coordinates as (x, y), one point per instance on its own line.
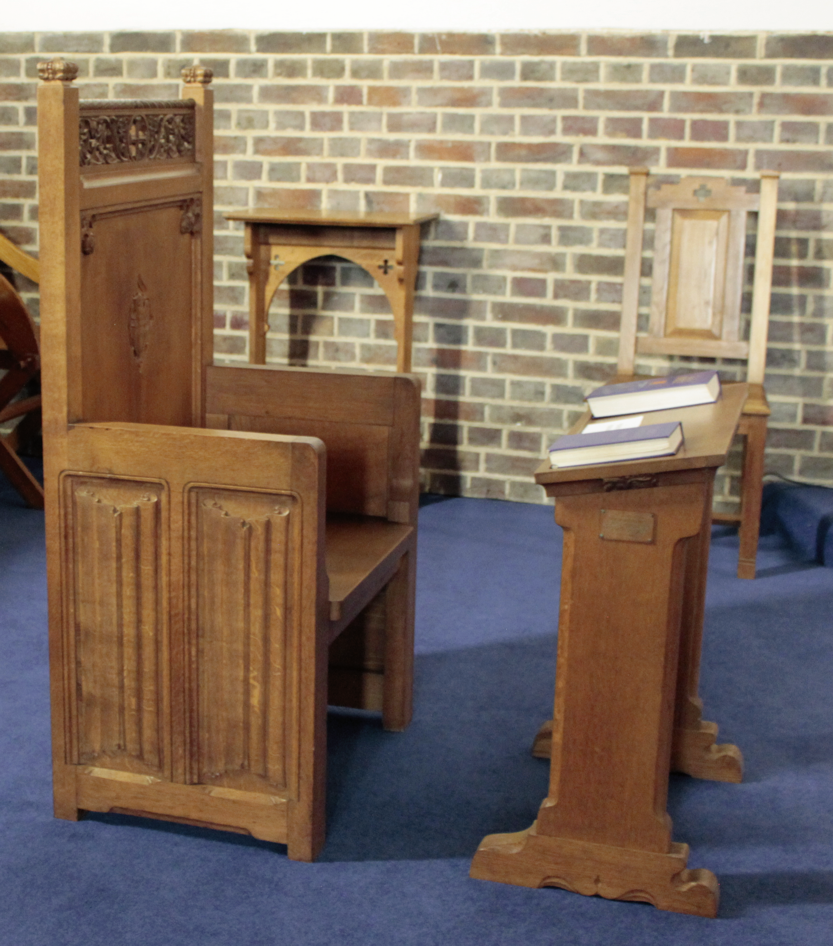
(805, 277)
(803, 161)
(17, 141)
(391, 43)
(619, 155)
(461, 205)
(529, 366)
(540, 44)
(796, 103)
(457, 44)
(387, 202)
(593, 264)
(529, 314)
(348, 95)
(10, 187)
(291, 43)
(728, 159)
(387, 149)
(454, 97)
(721, 103)
(537, 97)
(388, 96)
(800, 46)
(279, 146)
(712, 46)
(283, 93)
(325, 172)
(326, 121)
(18, 92)
(705, 129)
(526, 260)
(408, 175)
(560, 208)
(623, 100)
(413, 122)
(603, 210)
(452, 151)
(399, 69)
(804, 219)
(579, 126)
(577, 290)
(800, 132)
(623, 127)
(216, 41)
(359, 174)
(550, 152)
(288, 198)
(636, 45)
(528, 287)
(223, 144)
(452, 410)
(671, 129)
(819, 415)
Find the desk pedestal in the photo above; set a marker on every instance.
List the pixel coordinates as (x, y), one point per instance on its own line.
(626, 705)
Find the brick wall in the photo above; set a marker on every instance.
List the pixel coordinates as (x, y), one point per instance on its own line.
(521, 142)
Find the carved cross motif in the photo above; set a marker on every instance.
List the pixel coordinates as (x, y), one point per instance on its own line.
(140, 321)
(277, 262)
(702, 192)
(386, 267)
(87, 235)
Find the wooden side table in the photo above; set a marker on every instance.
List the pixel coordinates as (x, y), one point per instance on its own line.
(633, 584)
(386, 245)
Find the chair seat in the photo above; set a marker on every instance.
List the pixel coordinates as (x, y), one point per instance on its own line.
(362, 554)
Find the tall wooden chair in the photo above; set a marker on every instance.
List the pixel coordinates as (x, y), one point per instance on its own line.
(20, 359)
(697, 282)
(204, 546)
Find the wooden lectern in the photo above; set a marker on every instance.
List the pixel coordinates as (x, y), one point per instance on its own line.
(633, 585)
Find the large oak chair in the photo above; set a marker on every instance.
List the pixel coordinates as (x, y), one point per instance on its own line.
(211, 530)
(695, 311)
(20, 360)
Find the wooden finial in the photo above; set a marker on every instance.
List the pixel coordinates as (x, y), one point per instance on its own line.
(197, 75)
(57, 70)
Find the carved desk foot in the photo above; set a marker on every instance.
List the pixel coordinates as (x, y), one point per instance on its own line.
(695, 752)
(529, 859)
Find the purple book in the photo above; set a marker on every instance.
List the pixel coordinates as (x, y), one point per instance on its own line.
(655, 394)
(608, 446)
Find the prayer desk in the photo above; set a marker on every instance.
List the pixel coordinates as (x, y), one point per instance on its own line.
(384, 244)
(633, 585)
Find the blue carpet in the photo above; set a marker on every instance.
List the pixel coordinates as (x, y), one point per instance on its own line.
(408, 810)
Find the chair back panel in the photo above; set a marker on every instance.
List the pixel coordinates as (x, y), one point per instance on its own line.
(698, 267)
(127, 300)
(137, 299)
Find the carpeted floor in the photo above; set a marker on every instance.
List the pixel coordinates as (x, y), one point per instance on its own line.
(408, 810)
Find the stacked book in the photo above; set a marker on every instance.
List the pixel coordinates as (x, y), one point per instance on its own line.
(628, 438)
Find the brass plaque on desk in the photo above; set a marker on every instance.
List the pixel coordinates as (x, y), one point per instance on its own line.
(620, 526)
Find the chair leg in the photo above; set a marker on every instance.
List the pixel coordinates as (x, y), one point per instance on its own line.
(398, 687)
(754, 427)
(20, 477)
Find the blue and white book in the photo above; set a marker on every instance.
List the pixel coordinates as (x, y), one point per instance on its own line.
(655, 394)
(611, 446)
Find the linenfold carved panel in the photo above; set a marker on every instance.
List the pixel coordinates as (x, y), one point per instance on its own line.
(115, 630)
(159, 132)
(241, 627)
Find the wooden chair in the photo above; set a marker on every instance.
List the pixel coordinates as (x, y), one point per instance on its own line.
(697, 282)
(205, 548)
(20, 359)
